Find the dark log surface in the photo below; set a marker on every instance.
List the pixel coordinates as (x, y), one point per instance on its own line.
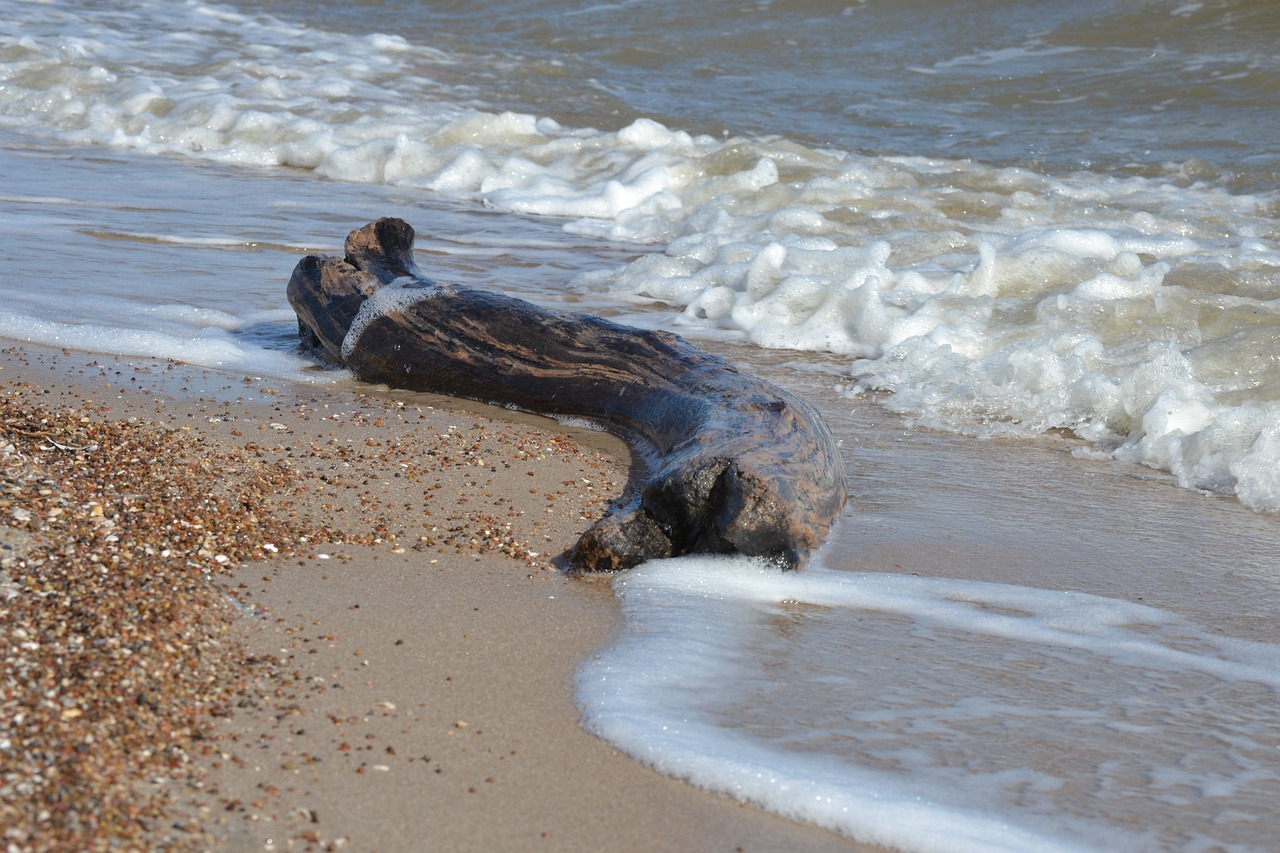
(728, 463)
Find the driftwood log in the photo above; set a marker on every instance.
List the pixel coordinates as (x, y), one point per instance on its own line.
(728, 463)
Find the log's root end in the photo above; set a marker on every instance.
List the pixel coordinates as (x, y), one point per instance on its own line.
(707, 509)
(623, 539)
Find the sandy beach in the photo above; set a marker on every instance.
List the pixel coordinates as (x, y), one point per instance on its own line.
(349, 626)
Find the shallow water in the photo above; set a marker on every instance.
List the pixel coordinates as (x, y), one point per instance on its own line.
(1025, 260)
(936, 714)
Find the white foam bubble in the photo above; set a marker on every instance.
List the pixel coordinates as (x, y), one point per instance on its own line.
(187, 335)
(1039, 314)
(909, 712)
(396, 295)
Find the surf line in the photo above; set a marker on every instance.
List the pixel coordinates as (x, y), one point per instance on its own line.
(727, 463)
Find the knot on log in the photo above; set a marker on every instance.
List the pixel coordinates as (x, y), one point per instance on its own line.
(729, 463)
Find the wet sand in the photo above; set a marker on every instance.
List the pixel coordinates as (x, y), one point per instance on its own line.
(404, 685)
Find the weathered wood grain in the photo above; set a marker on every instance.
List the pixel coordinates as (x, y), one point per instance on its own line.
(729, 463)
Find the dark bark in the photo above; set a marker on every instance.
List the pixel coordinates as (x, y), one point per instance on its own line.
(728, 463)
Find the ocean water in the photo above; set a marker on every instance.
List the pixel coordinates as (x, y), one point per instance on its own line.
(1024, 257)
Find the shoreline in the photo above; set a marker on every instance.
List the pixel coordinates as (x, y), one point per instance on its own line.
(410, 682)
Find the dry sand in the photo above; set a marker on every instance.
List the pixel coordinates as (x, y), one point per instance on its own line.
(405, 686)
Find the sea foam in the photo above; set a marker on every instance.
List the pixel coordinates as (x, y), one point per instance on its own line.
(212, 346)
(927, 714)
